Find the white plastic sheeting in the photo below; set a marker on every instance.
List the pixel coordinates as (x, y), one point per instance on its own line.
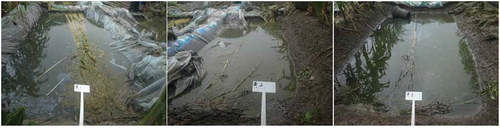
(147, 57)
(16, 25)
(205, 26)
(422, 4)
(185, 68)
(184, 71)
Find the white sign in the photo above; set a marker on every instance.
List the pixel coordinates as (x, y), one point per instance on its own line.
(413, 95)
(262, 86)
(82, 88)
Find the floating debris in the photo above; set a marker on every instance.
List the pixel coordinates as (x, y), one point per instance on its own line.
(113, 61)
(63, 78)
(246, 77)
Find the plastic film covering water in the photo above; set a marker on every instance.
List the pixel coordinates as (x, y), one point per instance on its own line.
(422, 4)
(148, 61)
(16, 25)
(63, 8)
(185, 69)
(205, 26)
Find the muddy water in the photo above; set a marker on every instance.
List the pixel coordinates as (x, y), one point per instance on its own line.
(438, 64)
(259, 49)
(24, 83)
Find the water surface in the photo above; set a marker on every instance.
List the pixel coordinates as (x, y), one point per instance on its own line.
(260, 48)
(34, 71)
(436, 62)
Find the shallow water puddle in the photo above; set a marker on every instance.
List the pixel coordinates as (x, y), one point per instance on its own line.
(438, 64)
(34, 72)
(257, 54)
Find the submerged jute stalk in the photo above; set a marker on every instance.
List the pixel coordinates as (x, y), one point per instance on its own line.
(51, 67)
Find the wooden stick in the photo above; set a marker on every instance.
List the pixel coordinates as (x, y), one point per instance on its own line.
(246, 77)
(51, 68)
(466, 102)
(55, 86)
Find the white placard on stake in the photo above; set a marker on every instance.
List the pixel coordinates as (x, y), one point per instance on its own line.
(413, 96)
(82, 89)
(264, 87)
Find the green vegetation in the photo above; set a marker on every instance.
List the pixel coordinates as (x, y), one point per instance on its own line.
(308, 117)
(15, 118)
(11, 5)
(362, 78)
(483, 14)
(467, 61)
(490, 89)
(323, 10)
(349, 9)
(157, 113)
(306, 73)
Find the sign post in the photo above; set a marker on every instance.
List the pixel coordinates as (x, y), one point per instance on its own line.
(82, 89)
(413, 96)
(264, 87)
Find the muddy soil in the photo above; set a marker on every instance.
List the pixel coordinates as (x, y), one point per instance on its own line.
(189, 116)
(483, 45)
(310, 45)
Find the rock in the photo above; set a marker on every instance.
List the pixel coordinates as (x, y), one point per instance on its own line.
(311, 78)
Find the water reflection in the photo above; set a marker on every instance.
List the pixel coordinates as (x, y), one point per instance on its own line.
(467, 61)
(363, 77)
(430, 65)
(431, 18)
(20, 73)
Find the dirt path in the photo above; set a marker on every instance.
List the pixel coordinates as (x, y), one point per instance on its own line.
(482, 43)
(310, 45)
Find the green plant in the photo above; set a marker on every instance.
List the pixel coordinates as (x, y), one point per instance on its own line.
(15, 118)
(308, 117)
(491, 89)
(306, 73)
(11, 5)
(345, 8)
(321, 9)
(22, 8)
(157, 113)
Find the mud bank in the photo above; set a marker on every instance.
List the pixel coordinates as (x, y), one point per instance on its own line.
(483, 46)
(310, 46)
(189, 116)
